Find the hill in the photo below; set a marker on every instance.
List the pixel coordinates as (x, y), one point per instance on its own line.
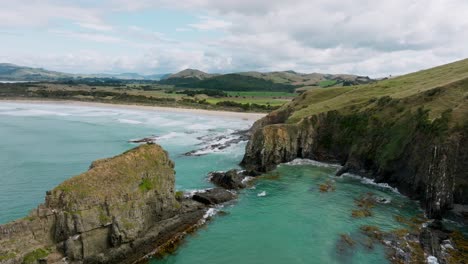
(238, 82)
(312, 79)
(410, 132)
(12, 72)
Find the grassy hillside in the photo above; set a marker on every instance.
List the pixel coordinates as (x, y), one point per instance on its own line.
(312, 79)
(437, 89)
(237, 82)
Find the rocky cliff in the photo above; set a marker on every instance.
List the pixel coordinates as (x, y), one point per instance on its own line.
(413, 136)
(118, 211)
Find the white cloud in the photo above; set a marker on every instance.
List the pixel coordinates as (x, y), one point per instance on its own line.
(209, 23)
(341, 36)
(95, 37)
(96, 27)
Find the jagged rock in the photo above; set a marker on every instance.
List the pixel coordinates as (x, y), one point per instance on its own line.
(214, 196)
(431, 169)
(118, 211)
(231, 179)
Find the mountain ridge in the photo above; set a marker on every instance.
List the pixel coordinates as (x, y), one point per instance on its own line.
(186, 77)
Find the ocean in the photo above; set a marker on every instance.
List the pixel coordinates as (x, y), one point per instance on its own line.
(281, 218)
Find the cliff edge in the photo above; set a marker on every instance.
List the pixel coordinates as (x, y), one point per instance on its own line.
(410, 132)
(118, 211)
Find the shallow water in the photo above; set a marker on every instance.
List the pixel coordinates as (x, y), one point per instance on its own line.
(293, 222)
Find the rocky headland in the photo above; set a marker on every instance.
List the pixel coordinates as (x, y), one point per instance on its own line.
(410, 132)
(119, 211)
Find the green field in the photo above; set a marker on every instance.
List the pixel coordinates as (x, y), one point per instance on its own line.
(262, 94)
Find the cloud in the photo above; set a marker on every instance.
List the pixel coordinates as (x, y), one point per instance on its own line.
(96, 27)
(95, 37)
(31, 13)
(209, 23)
(341, 36)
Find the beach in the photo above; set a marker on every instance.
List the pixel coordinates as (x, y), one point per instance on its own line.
(240, 115)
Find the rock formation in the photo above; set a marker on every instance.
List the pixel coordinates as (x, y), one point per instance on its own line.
(118, 211)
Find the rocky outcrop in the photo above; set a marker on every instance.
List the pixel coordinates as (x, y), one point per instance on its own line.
(118, 211)
(214, 196)
(425, 159)
(231, 180)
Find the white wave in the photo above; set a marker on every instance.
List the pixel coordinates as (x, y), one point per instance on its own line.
(247, 179)
(33, 112)
(432, 260)
(93, 113)
(261, 194)
(169, 136)
(200, 127)
(210, 213)
(205, 151)
(129, 121)
(368, 181)
(313, 163)
(191, 193)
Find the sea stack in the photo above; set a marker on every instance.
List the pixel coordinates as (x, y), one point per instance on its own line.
(121, 209)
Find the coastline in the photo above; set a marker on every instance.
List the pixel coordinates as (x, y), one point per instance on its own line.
(240, 115)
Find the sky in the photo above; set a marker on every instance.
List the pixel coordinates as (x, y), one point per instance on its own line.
(365, 37)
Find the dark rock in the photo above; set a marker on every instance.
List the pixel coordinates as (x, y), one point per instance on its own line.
(236, 137)
(430, 169)
(231, 180)
(143, 140)
(214, 196)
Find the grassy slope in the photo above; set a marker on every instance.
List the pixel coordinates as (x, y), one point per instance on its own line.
(451, 79)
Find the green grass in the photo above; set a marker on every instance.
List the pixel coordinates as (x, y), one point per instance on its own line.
(146, 185)
(262, 94)
(260, 101)
(452, 79)
(327, 83)
(35, 255)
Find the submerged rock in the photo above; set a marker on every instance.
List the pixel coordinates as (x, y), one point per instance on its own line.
(118, 211)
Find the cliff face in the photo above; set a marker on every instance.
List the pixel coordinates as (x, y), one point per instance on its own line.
(403, 142)
(121, 208)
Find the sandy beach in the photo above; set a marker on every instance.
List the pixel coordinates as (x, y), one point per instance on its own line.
(240, 115)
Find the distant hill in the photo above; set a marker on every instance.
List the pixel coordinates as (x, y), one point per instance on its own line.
(192, 78)
(128, 76)
(312, 79)
(238, 82)
(12, 72)
(191, 73)
(186, 77)
(271, 81)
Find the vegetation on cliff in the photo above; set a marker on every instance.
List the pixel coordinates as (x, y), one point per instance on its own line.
(117, 212)
(409, 131)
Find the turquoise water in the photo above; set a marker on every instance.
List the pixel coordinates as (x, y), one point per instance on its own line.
(42, 145)
(292, 223)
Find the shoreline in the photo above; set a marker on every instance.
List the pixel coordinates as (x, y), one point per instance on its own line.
(241, 115)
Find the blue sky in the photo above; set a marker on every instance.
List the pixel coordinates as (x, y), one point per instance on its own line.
(364, 37)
